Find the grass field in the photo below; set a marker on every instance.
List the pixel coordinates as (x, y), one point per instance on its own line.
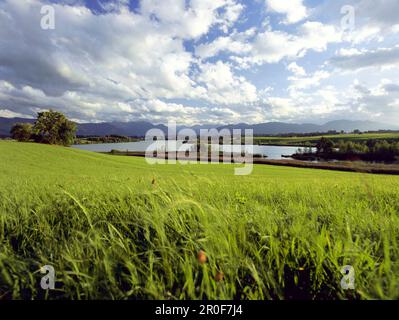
(300, 141)
(118, 228)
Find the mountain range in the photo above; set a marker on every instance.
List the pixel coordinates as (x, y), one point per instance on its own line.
(139, 128)
(274, 128)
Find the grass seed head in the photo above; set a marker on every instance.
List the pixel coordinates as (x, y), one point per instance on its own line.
(201, 257)
(219, 276)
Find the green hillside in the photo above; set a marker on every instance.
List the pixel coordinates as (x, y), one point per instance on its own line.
(118, 228)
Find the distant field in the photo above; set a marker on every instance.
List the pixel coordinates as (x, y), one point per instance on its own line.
(118, 228)
(275, 140)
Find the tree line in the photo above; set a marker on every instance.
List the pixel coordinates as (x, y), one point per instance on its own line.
(113, 138)
(370, 150)
(50, 127)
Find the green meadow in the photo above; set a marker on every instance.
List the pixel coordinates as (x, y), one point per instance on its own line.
(116, 227)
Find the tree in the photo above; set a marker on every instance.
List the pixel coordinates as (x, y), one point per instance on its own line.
(21, 131)
(325, 145)
(53, 127)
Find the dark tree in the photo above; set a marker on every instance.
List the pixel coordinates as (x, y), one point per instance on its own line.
(21, 131)
(53, 127)
(325, 145)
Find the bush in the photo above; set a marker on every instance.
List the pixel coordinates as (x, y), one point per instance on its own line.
(21, 131)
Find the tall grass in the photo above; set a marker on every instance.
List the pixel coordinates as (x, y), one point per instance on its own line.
(117, 228)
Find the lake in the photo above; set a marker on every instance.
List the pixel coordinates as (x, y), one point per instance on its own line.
(272, 152)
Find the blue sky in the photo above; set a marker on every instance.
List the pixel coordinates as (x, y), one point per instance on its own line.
(201, 61)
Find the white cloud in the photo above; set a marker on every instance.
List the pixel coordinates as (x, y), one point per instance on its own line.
(195, 19)
(185, 60)
(83, 68)
(224, 87)
(364, 34)
(307, 82)
(313, 106)
(296, 70)
(294, 10)
(5, 113)
(272, 46)
(282, 107)
(231, 14)
(236, 43)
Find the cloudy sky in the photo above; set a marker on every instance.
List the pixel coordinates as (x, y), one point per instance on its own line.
(202, 61)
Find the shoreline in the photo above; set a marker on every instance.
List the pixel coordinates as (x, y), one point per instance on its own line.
(354, 166)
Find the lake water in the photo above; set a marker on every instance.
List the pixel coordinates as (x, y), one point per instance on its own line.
(272, 152)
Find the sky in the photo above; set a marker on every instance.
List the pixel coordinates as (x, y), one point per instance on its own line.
(201, 61)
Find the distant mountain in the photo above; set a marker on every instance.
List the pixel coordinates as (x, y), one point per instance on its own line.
(274, 128)
(348, 125)
(197, 128)
(137, 129)
(140, 128)
(7, 123)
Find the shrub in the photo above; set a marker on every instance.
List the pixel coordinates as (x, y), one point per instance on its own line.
(21, 131)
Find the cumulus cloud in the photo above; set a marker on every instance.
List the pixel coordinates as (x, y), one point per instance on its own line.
(358, 101)
(294, 10)
(303, 81)
(272, 46)
(195, 61)
(92, 64)
(224, 87)
(237, 43)
(194, 21)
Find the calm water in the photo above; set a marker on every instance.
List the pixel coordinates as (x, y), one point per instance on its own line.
(272, 152)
